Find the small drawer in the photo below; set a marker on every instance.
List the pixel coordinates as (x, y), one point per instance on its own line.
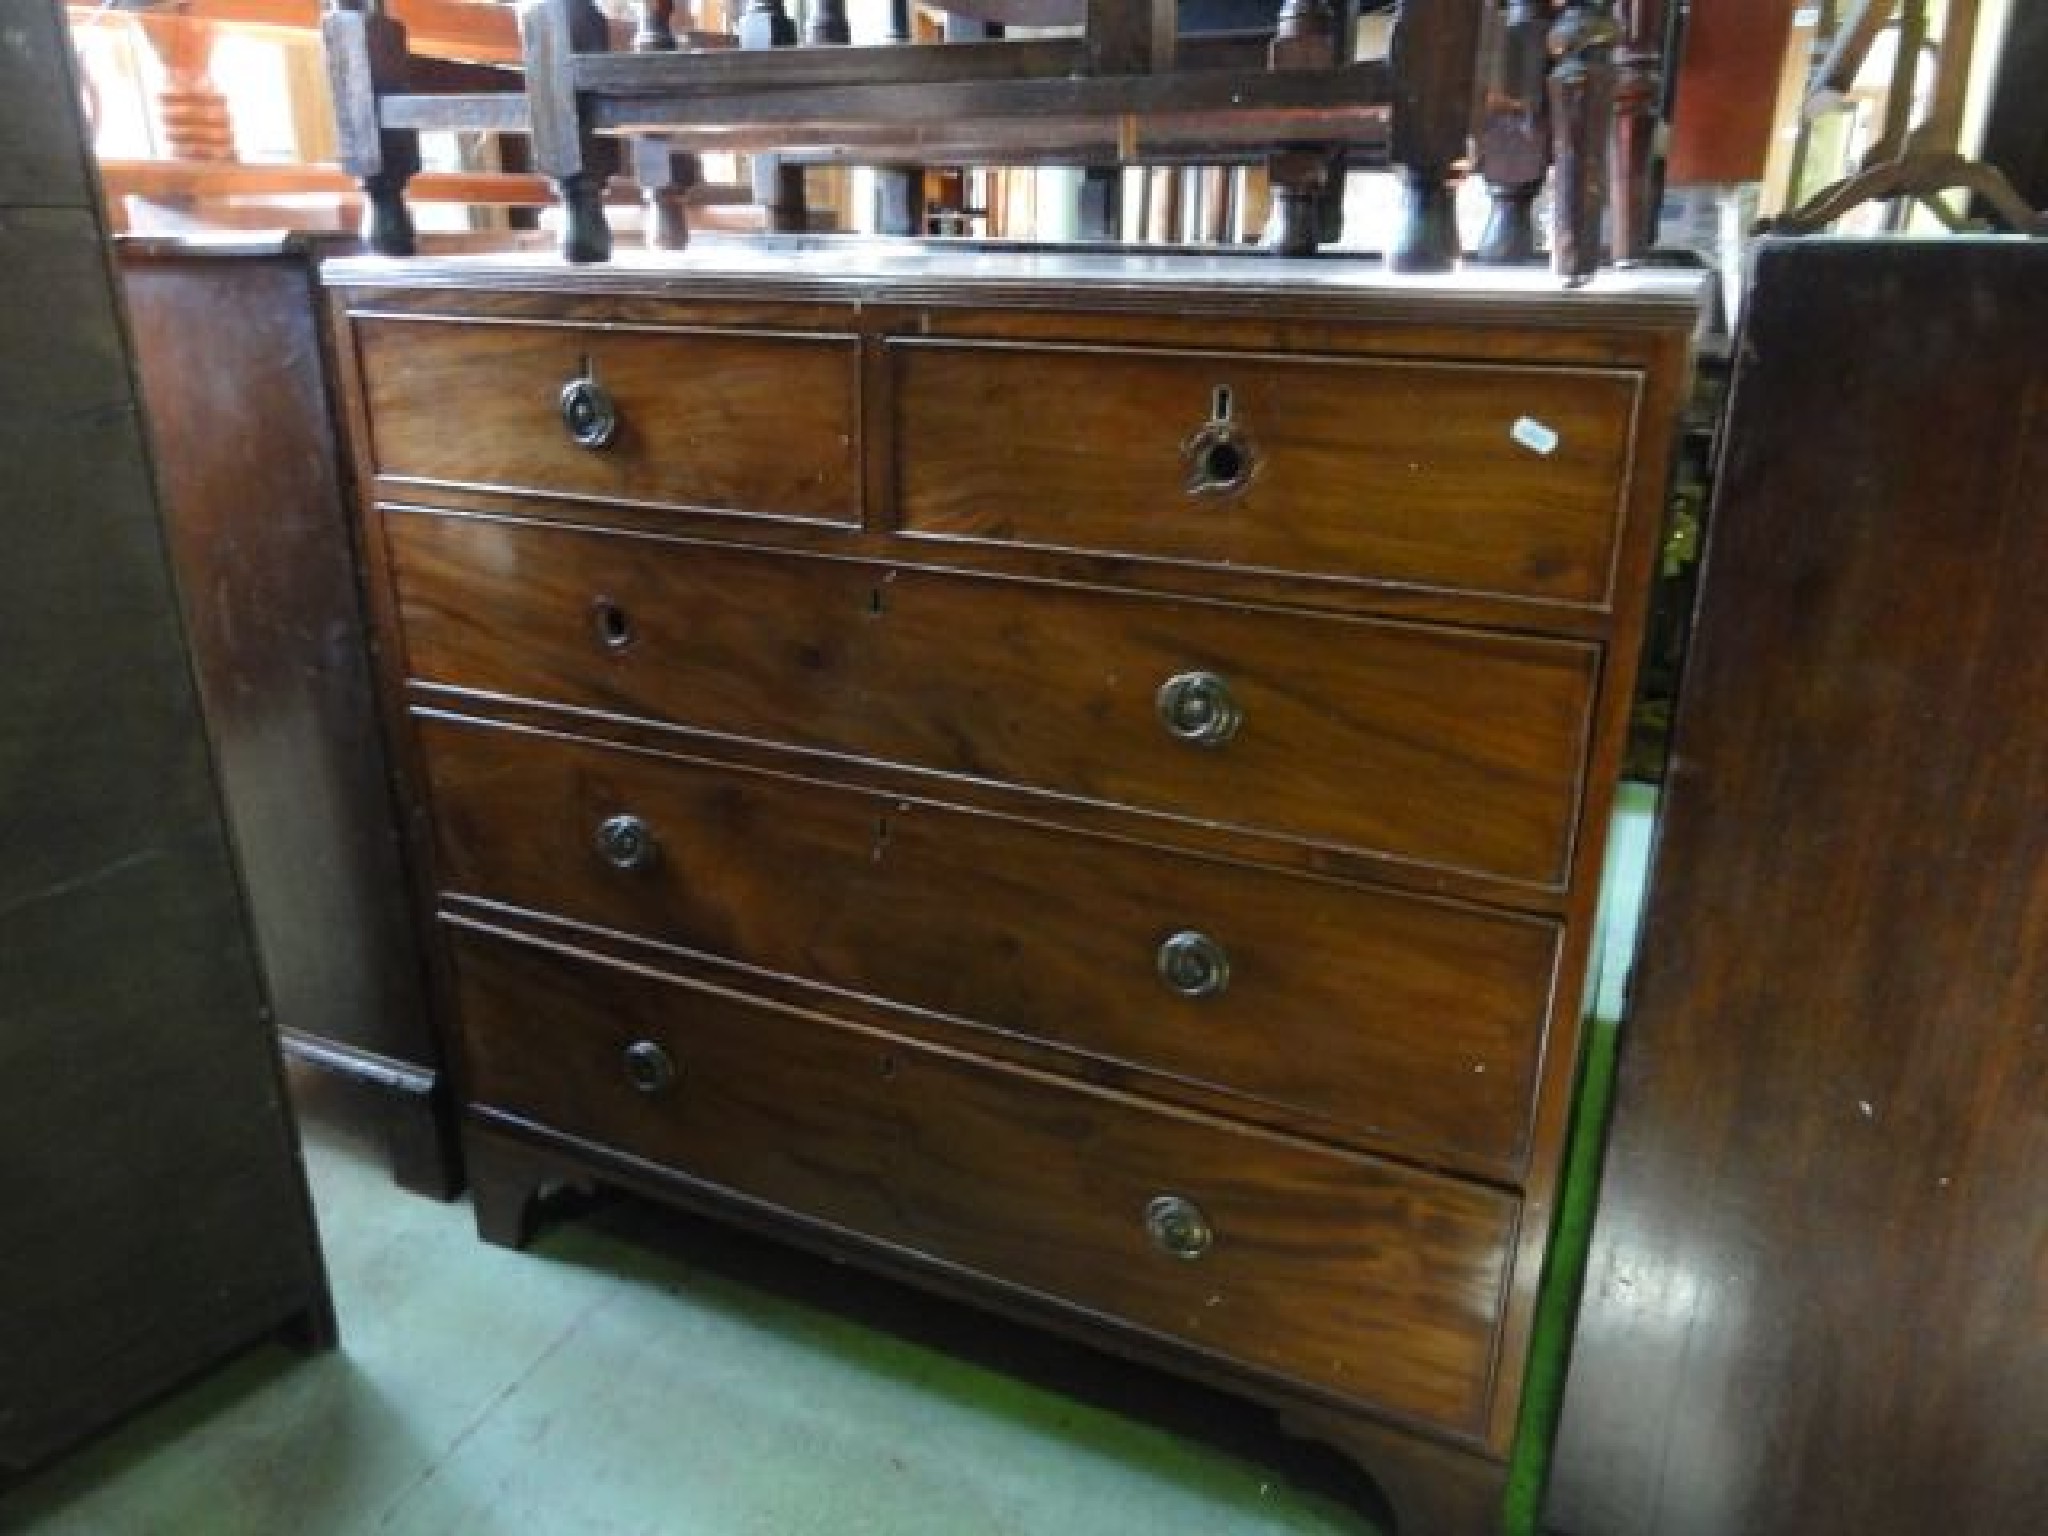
(1377, 1283)
(1411, 1022)
(746, 422)
(1488, 478)
(1451, 748)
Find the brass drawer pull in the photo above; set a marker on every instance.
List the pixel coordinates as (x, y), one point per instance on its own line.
(1194, 965)
(627, 842)
(1177, 1226)
(1197, 707)
(588, 413)
(649, 1068)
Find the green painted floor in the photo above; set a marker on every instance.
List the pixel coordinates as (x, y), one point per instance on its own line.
(643, 1374)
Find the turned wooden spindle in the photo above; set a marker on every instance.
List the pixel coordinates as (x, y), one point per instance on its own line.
(778, 185)
(1294, 226)
(665, 180)
(1304, 36)
(1433, 59)
(656, 32)
(827, 24)
(766, 24)
(577, 161)
(899, 189)
(190, 108)
(1638, 87)
(367, 59)
(1514, 136)
(1581, 119)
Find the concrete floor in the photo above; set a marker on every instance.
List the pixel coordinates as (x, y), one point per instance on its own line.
(640, 1373)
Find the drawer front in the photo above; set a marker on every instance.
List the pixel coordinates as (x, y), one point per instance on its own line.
(744, 422)
(1486, 478)
(1451, 748)
(1371, 1281)
(1403, 1019)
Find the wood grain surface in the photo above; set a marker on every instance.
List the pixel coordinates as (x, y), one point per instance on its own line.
(1368, 1281)
(1427, 745)
(752, 422)
(1492, 478)
(1818, 1295)
(231, 360)
(1411, 1023)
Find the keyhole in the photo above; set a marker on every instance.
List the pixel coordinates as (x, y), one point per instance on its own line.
(1220, 403)
(614, 628)
(1222, 462)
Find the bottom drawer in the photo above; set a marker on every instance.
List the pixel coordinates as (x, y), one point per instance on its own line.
(1375, 1282)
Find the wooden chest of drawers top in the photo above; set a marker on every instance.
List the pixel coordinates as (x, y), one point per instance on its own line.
(1000, 746)
(1438, 445)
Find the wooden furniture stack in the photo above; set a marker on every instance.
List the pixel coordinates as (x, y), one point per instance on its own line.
(156, 1216)
(1132, 86)
(1077, 781)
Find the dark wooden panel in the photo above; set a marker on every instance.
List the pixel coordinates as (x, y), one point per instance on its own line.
(57, 367)
(1436, 746)
(2016, 131)
(155, 1213)
(1819, 1276)
(1366, 1280)
(1497, 479)
(43, 155)
(1411, 1021)
(229, 354)
(739, 422)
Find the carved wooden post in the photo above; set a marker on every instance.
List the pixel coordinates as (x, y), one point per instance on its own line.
(1581, 116)
(664, 177)
(366, 60)
(552, 33)
(778, 188)
(656, 32)
(899, 189)
(1305, 37)
(827, 24)
(1433, 58)
(1638, 85)
(1514, 138)
(190, 107)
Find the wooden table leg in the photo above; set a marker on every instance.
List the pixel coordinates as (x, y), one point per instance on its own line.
(1434, 59)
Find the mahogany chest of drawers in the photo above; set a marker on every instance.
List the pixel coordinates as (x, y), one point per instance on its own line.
(1080, 780)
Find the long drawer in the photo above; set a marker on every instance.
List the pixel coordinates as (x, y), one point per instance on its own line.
(1404, 1019)
(736, 421)
(1450, 748)
(1484, 477)
(1365, 1280)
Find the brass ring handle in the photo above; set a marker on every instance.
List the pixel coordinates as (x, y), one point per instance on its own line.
(1178, 1226)
(649, 1068)
(627, 842)
(588, 413)
(1194, 965)
(1198, 707)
